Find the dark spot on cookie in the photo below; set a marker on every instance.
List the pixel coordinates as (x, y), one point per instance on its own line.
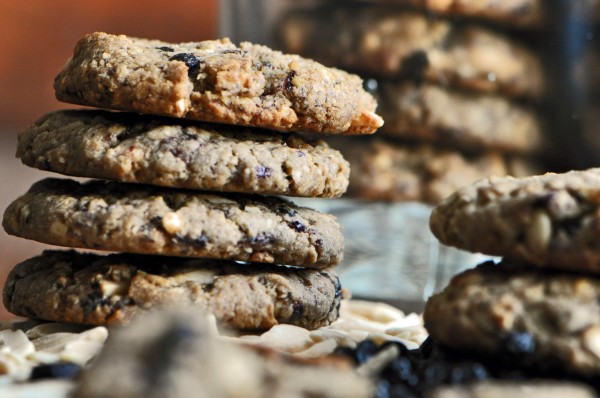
(190, 60)
(263, 238)
(414, 66)
(571, 226)
(61, 370)
(286, 211)
(297, 311)
(132, 132)
(542, 202)
(236, 51)
(319, 243)
(93, 300)
(263, 171)
(297, 226)
(165, 48)
(188, 135)
(287, 84)
(518, 345)
(301, 154)
(198, 243)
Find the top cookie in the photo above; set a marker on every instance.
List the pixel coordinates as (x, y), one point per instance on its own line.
(390, 42)
(216, 81)
(173, 153)
(550, 220)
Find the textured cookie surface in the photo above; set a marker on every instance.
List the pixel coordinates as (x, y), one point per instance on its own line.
(151, 220)
(523, 13)
(216, 81)
(175, 353)
(160, 151)
(547, 319)
(465, 120)
(385, 170)
(388, 42)
(66, 286)
(550, 220)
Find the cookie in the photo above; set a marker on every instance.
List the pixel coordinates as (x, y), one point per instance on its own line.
(216, 81)
(151, 220)
(469, 121)
(384, 170)
(160, 151)
(388, 42)
(549, 220)
(530, 317)
(66, 286)
(174, 354)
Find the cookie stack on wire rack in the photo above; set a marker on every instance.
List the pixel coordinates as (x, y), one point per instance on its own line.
(537, 309)
(184, 205)
(456, 85)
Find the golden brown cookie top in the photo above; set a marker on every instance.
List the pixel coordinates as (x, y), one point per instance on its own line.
(216, 81)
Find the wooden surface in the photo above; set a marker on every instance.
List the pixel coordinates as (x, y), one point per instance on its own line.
(36, 38)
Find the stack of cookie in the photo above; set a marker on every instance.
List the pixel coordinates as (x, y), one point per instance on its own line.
(180, 243)
(539, 308)
(456, 96)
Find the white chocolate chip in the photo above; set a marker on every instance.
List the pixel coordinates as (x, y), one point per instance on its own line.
(57, 228)
(110, 288)
(172, 223)
(180, 105)
(539, 232)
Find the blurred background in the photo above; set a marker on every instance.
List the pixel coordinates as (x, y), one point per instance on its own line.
(36, 38)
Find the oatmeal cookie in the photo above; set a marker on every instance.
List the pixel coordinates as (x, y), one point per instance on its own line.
(85, 288)
(395, 43)
(162, 151)
(465, 120)
(545, 319)
(549, 220)
(151, 220)
(384, 170)
(216, 81)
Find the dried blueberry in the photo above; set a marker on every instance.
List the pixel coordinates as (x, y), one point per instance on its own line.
(288, 85)
(400, 371)
(286, 211)
(365, 350)
(519, 343)
(263, 171)
(435, 373)
(383, 389)
(197, 243)
(190, 60)
(297, 225)
(165, 48)
(63, 370)
(467, 372)
(262, 238)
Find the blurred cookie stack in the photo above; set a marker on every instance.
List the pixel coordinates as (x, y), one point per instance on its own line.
(537, 310)
(182, 244)
(456, 86)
